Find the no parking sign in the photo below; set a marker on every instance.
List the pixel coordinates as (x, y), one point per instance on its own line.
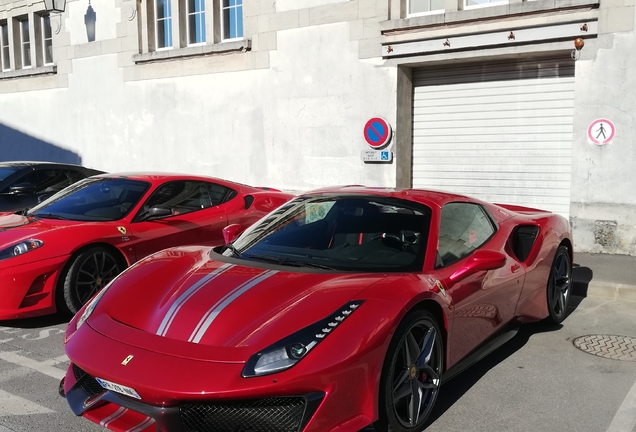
(377, 132)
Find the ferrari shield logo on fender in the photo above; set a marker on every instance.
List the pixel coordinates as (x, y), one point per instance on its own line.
(127, 360)
(440, 287)
(122, 230)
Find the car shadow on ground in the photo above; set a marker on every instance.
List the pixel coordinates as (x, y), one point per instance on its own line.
(581, 276)
(39, 322)
(454, 389)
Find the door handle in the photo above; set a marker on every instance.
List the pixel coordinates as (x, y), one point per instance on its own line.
(515, 267)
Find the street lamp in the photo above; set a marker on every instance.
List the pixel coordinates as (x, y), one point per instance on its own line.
(55, 5)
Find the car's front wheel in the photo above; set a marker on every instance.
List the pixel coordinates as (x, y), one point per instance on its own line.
(559, 285)
(88, 273)
(411, 374)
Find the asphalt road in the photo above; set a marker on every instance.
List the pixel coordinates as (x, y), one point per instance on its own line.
(536, 382)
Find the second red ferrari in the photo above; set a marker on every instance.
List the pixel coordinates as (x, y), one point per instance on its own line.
(343, 308)
(60, 253)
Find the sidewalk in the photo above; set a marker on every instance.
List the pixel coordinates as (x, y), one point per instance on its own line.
(607, 276)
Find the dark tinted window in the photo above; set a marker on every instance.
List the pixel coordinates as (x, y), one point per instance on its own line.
(463, 228)
(220, 194)
(180, 197)
(75, 176)
(6, 172)
(47, 180)
(351, 233)
(93, 200)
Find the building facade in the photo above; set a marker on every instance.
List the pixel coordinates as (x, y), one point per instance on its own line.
(489, 98)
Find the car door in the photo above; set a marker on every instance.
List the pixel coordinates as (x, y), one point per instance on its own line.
(484, 301)
(192, 218)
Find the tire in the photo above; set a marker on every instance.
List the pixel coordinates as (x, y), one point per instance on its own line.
(404, 374)
(559, 286)
(87, 274)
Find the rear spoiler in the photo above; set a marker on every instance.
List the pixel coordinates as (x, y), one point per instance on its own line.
(521, 209)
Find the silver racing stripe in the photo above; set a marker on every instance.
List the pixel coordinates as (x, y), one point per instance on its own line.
(114, 416)
(141, 426)
(215, 310)
(176, 306)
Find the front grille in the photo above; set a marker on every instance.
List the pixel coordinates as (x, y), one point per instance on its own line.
(90, 386)
(281, 414)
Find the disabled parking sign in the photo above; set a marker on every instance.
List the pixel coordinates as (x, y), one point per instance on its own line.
(377, 132)
(376, 156)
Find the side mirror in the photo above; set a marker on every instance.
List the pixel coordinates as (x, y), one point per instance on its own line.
(22, 189)
(480, 260)
(157, 212)
(231, 232)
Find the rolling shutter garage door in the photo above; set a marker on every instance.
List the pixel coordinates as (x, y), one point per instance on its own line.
(498, 131)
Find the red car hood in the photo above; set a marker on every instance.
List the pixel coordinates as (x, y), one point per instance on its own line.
(14, 228)
(60, 237)
(182, 295)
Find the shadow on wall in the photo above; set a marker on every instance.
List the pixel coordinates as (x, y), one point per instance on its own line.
(18, 146)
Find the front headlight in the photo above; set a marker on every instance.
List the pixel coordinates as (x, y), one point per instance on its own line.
(290, 350)
(20, 248)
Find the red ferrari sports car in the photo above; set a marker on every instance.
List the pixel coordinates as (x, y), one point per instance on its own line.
(344, 308)
(57, 255)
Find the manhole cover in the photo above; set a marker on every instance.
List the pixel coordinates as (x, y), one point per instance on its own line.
(608, 346)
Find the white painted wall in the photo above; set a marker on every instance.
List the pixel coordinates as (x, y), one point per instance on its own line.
(603, 212)
(286, 5)
(295, 126)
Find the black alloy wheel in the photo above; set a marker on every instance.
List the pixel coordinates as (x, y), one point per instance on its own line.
(559, 285)
(89, 272)
(412, 374)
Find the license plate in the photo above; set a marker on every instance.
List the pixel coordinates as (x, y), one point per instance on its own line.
(109, 385)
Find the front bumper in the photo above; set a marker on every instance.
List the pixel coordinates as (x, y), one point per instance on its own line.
(28, 290)
(184, 394)
(117, 412)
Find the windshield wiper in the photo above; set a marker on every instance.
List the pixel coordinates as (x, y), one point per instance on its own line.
(310, 265)
(49, 216)
(288, 262)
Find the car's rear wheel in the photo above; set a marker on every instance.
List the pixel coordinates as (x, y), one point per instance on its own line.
(559, 285)
(88, 273)
(411, 374)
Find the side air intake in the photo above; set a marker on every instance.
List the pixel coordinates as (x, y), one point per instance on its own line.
(249, 199)
(523, 238)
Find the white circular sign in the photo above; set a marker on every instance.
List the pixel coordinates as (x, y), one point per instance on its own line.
(601, 131)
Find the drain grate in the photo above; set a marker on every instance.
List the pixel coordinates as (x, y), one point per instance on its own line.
(608, 346)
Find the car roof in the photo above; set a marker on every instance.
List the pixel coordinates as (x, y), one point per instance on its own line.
(424, 196)
(34, 163)
(165, 176)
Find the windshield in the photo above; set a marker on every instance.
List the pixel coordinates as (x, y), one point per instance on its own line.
(6, 172)
(93, 199)
(346, 233)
